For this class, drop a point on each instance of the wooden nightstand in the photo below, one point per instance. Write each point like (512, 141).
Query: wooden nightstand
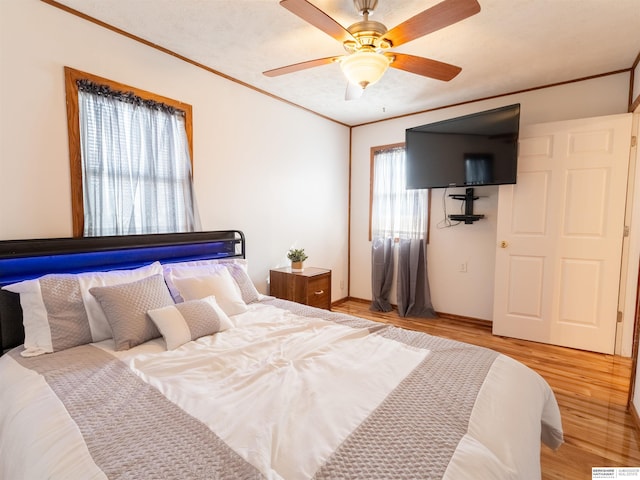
(310, 287)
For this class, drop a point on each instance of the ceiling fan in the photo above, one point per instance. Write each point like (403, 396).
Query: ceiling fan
(368, 42)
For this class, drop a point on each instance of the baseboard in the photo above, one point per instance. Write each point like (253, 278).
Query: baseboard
(341, 301)
(351, 299)
(460, 318)
(449, 316)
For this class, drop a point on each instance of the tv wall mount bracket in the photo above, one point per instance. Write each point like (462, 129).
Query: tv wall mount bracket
(468, 217)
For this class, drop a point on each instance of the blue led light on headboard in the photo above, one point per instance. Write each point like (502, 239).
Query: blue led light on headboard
(25, 266)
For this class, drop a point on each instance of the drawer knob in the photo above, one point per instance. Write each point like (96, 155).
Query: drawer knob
(319, 292)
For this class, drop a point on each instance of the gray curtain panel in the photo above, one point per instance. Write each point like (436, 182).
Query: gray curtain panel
(381, 273)
(414, 296)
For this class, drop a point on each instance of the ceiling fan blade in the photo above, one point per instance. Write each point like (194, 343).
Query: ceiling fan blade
(316, 17)
(424, 66)
(299, 66)
(353, 92)
(439, 16)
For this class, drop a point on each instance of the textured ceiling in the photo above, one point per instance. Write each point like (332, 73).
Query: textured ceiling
(511, 45)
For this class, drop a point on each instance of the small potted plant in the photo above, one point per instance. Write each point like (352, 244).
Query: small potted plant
(297, 256)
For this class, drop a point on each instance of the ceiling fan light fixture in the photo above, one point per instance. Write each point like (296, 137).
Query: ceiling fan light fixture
(364, 68)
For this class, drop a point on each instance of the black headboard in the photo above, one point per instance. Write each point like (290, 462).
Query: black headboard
(27, 259)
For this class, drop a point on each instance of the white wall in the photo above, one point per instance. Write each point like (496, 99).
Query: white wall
(276, 172)
(634, 265)
(635, 235)
(467, 294)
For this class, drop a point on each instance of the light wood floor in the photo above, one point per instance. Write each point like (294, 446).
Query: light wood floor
(591, 390)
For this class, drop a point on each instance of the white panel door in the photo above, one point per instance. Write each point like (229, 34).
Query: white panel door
(560, 231)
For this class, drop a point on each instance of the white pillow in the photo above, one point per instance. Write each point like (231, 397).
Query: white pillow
(186, 269)
(219, 284)
(238, 267)
(190, 320)
(59, 312)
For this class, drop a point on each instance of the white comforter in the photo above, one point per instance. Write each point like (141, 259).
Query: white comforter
(284, 392)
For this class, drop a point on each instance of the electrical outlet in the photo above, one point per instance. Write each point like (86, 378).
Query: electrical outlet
(341, 284)
(462, 267)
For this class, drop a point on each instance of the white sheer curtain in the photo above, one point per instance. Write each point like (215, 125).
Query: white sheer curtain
(395, 211)
(402, 215)
(136, 168)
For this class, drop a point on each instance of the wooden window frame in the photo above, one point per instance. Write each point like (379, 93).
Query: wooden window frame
(73, 128)
(372, 153)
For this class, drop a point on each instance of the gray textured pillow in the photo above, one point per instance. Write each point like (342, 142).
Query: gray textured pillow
(183, 322)
(126, 306)
(247, 288)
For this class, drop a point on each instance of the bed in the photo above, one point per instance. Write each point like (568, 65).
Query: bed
(154, 356)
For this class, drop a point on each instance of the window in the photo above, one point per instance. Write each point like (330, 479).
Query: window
(130, 157)
(395, 211)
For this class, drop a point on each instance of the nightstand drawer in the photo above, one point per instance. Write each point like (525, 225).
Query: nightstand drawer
(318, 290)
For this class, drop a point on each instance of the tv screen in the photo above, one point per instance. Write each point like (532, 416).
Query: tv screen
(474, 150)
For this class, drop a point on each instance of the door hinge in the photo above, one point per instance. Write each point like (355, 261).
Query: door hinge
(619, 319)
(625, 232)
(634, 141)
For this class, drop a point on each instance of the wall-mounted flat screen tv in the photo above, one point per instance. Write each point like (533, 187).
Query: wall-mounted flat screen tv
(473, 150)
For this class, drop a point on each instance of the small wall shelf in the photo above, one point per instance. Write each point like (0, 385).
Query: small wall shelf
(468, 217)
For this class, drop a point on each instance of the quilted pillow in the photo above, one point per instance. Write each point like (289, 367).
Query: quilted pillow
(190, 320)
(126, 306)
(59, 312)
(219, 284)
